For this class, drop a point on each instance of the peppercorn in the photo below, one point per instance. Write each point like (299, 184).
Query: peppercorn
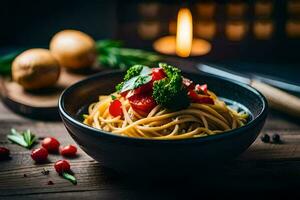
(276, 138)
(265, 138)
(45, 172)
(50, 183)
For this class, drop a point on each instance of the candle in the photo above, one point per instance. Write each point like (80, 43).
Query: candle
(184, 37)
(183, 44)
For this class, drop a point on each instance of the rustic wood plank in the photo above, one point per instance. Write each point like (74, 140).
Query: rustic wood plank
(233, 176)
(6, 115)
(268, 166)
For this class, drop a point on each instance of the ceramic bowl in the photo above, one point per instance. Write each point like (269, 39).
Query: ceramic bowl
(139, 155)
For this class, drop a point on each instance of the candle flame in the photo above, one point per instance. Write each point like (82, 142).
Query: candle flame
(184, 37)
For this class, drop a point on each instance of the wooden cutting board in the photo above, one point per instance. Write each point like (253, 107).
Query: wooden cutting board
(42, 104)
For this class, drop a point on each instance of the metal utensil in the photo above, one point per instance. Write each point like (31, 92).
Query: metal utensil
(278, 99)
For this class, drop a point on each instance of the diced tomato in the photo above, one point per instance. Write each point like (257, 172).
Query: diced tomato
(115, 108)
(142, 103)
(158, 74)
(198, 98)
(123, 94)
(144, 88)
(188, 83)
(201, 89)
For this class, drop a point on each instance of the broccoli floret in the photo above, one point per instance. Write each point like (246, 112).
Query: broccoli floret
(169, 92)
(119, 86)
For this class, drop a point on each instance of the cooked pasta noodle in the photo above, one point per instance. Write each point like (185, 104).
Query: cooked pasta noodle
(197, 120)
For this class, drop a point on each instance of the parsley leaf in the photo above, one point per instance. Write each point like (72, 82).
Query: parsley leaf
(25, 139)
(141, 80)
(113, 97)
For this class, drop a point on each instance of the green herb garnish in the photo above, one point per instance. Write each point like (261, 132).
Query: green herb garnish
(113, 97)
(111, 53)
(170, 88)
(114, 55)
(25, 139)
(135, 77)
(69, 177)
(84, 116)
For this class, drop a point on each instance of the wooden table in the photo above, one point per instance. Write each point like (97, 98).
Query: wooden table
(263, 167)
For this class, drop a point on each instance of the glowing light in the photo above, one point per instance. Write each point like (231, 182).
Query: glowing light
(263, 8)
(293, 28)
(236, 30)
(206, 29)
(182, 44)
(148, 30)
(263, 29)
(184, 37)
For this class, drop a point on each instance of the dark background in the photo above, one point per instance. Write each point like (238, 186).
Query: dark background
(31, 23)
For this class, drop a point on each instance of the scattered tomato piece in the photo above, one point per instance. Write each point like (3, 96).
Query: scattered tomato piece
(4, 153)
(69, 151)
(51, 144)
(39, 154)
(62, 166)
(115, 108)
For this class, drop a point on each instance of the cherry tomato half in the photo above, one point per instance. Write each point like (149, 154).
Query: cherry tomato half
(4, 153)
(39, 154)
(201, 89)
(198, 98)
(147, 88)
(142, 103)
(69, 151)
(62, 166)
(188, 83)
(115, 108)
(51, 144)
(158, 74)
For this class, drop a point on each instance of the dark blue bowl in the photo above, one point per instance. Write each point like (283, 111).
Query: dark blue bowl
(137, 155)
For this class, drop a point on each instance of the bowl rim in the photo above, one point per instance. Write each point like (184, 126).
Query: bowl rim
(64, 114)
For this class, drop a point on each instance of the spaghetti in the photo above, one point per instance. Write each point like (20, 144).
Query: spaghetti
(198, 119)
